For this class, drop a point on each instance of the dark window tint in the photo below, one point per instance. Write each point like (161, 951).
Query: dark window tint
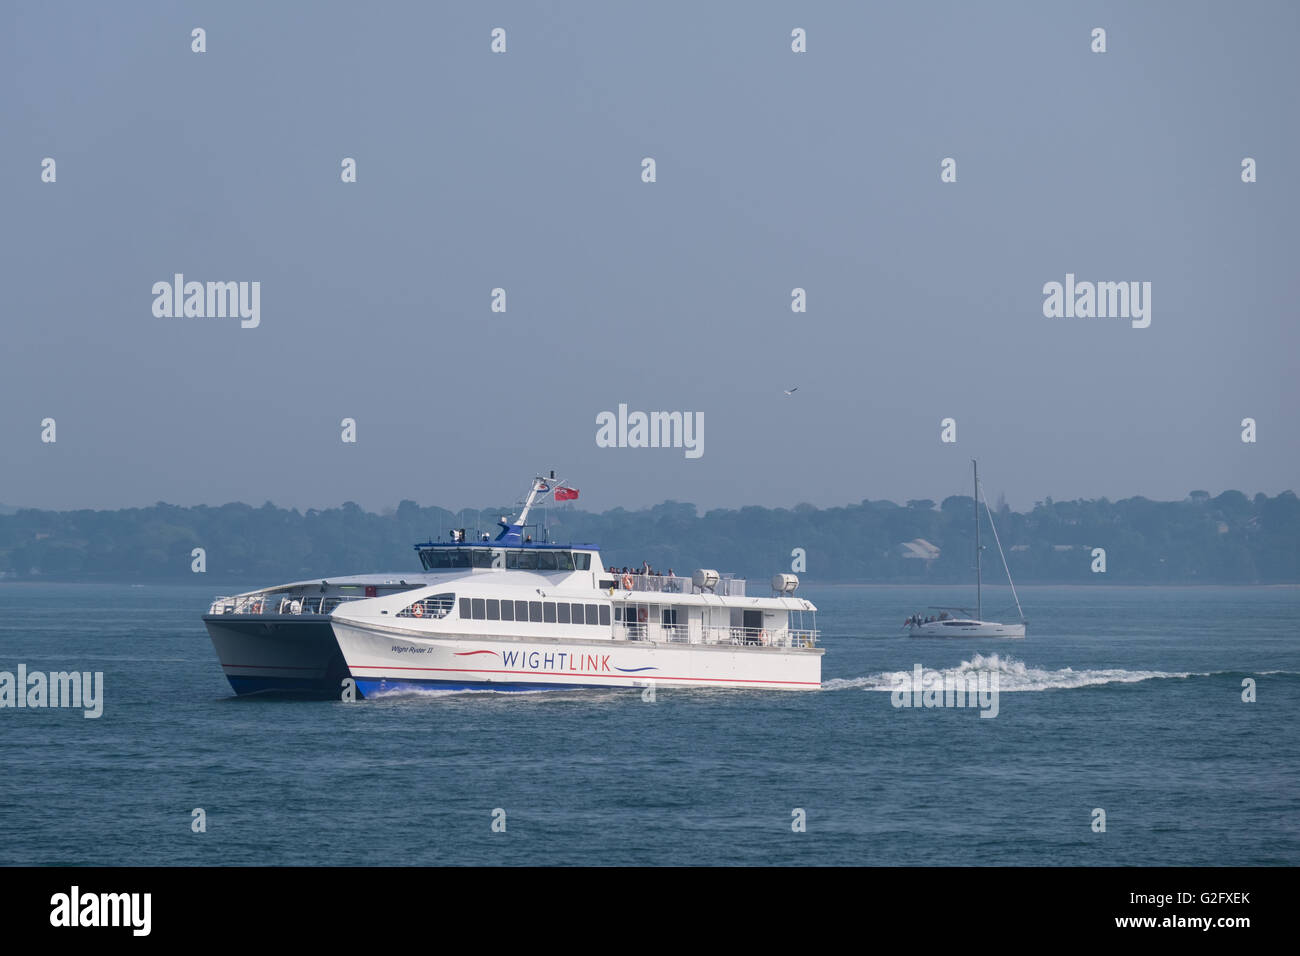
(480, 611)
(593, 614)
(548, 611)
(464, 608)
(493, 609)
(577, 614)
(546, 561)
(564, 560)
(507, 610)
(521, 610)
(535, 610)
(604, 615)
(482, 558)
(438, 560)
(562, 613)
(527, 560)
(582, 561)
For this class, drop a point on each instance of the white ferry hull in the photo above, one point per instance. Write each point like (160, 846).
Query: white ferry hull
(966, 629)
(387, 660)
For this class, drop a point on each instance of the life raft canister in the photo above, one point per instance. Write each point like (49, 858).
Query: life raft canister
(417, 609)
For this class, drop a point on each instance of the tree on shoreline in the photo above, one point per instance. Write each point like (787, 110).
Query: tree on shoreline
(1227, 539)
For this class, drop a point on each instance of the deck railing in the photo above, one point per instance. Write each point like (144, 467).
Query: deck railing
(736, 636)
(263, 605)
(676, 584)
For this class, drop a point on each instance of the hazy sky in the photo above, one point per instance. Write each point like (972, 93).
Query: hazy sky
(523, 171)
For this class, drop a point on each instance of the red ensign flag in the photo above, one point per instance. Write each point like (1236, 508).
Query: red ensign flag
(566, 494)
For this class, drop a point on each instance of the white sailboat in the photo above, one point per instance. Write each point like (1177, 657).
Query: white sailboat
(944, 624)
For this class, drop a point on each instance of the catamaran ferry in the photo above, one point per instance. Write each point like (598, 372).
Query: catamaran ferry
(514, 614)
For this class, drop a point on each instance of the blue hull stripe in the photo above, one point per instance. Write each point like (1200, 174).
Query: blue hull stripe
(370, 687)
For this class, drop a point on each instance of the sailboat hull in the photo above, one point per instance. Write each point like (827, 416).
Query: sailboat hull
(965, 628)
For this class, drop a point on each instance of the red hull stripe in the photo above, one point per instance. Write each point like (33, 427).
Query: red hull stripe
(656, 677)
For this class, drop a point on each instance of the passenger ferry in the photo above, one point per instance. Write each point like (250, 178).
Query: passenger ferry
(515, 614)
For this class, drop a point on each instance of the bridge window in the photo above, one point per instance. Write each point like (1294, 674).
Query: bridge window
(546, 561)
(564, 560)
(439, 559)
(582, 561)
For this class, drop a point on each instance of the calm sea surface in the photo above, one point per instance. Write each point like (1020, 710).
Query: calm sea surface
(1124, 699)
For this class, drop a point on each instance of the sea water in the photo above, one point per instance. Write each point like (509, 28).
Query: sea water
(1127, 701)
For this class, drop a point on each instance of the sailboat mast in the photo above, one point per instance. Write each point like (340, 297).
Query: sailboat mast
(979, 608)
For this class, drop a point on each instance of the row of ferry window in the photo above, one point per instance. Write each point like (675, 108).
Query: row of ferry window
(540, 612)
(527, 560)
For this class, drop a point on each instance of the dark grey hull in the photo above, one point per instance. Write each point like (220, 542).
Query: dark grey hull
(278, 654)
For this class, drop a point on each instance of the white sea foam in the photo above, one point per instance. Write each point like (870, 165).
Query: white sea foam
(396, 693)
(1013, 675)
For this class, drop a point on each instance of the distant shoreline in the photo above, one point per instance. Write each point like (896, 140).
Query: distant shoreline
(1229, 540)
(229, 585)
